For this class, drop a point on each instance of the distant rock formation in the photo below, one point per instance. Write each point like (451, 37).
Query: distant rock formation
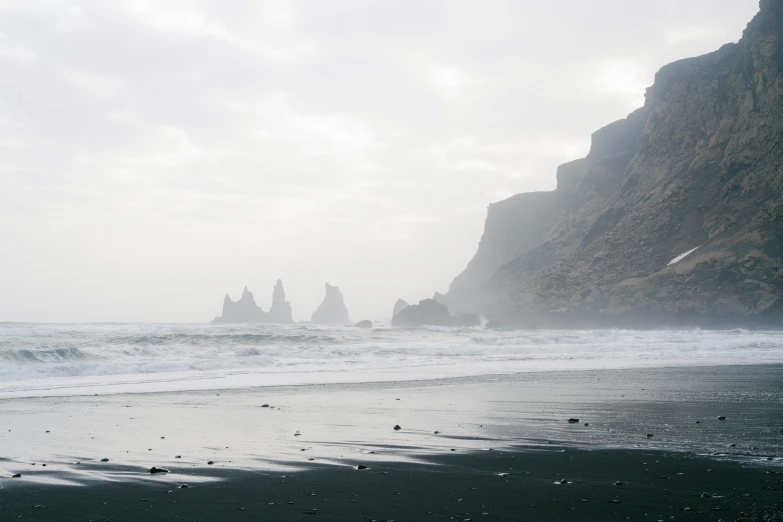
(427, 312)
(243, 311)
(364, 324)
(332, 310)
(281, 312)
(399, 306)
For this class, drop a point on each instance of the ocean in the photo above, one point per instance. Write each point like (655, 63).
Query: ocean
(86, 359)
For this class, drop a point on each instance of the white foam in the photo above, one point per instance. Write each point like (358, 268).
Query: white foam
(44, 360)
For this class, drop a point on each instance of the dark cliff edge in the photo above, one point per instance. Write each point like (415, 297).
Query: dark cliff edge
(700, 166)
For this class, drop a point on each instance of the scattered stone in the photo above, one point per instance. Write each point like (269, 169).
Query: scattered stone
(437, 432)
(16, 475)
(619, 483)
(722, 418)
(178, 457)
(361, 466)
(297, 434)
(650, 435)
(587, 423)
(183, 486)
(397, 427)
(210, 463)
(154, 470)
(573, 421)
(104, 460)
(264, 405)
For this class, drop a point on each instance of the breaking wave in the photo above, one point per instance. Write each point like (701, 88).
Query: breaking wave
(46, 359)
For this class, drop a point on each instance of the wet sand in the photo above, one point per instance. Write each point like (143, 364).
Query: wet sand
(262, 470)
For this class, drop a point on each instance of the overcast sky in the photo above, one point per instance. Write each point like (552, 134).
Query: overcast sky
(155, 155)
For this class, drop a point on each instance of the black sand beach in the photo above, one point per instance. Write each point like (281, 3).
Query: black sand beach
(657, 444)
(599, 485)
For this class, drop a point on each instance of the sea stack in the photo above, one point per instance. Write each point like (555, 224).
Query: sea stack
(332, 310)
(281, 312)
(243, 311)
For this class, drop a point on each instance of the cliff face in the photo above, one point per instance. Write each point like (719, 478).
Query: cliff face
(332, 309)
(700, 165)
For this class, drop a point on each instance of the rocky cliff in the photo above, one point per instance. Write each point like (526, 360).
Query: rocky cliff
(700, 165)
(332, 309)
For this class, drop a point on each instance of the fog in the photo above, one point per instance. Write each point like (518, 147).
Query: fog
(155, 155)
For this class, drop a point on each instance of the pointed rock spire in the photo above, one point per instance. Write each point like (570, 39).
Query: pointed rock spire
(281, 312)
(332, 310)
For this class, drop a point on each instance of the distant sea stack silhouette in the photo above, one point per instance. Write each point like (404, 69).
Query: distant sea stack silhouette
(332, 310)
(247, 311)
(243, 311)
(427, 312)
(281, 312)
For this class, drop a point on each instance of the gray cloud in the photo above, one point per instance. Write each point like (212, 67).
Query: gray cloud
(156, 154)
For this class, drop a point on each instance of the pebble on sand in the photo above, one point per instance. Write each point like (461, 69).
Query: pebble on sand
(650, 435)
(104, 460)
(361, 466)
(153, 470)
(264, 405)
(397, 427)
(722, 417)
(210, 462)
(573, 421)
(16, 475)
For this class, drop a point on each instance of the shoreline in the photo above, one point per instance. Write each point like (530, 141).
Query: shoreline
(446, 379)
(271, 446)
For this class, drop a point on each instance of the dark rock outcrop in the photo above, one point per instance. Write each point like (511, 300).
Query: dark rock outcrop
(399, 306)
(280, 312)
(243, 311)
(698, 166)
(332, 309)
(427, 312)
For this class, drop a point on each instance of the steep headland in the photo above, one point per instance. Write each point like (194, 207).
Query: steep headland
(700, 166)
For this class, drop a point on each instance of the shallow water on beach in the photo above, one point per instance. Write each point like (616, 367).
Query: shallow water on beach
(283, 428)
(85, 359)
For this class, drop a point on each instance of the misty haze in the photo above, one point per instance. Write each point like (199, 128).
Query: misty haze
(345, 260)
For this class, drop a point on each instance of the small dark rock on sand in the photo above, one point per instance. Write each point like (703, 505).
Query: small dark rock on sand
(183, 486)
(264, 405)
(210, 462)
(573, 421)
(360, 466)
(650, 435)
(104, 460)
(397, 427)
(16, 475)
(722, 417)
(178, 457)
(153, 469)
